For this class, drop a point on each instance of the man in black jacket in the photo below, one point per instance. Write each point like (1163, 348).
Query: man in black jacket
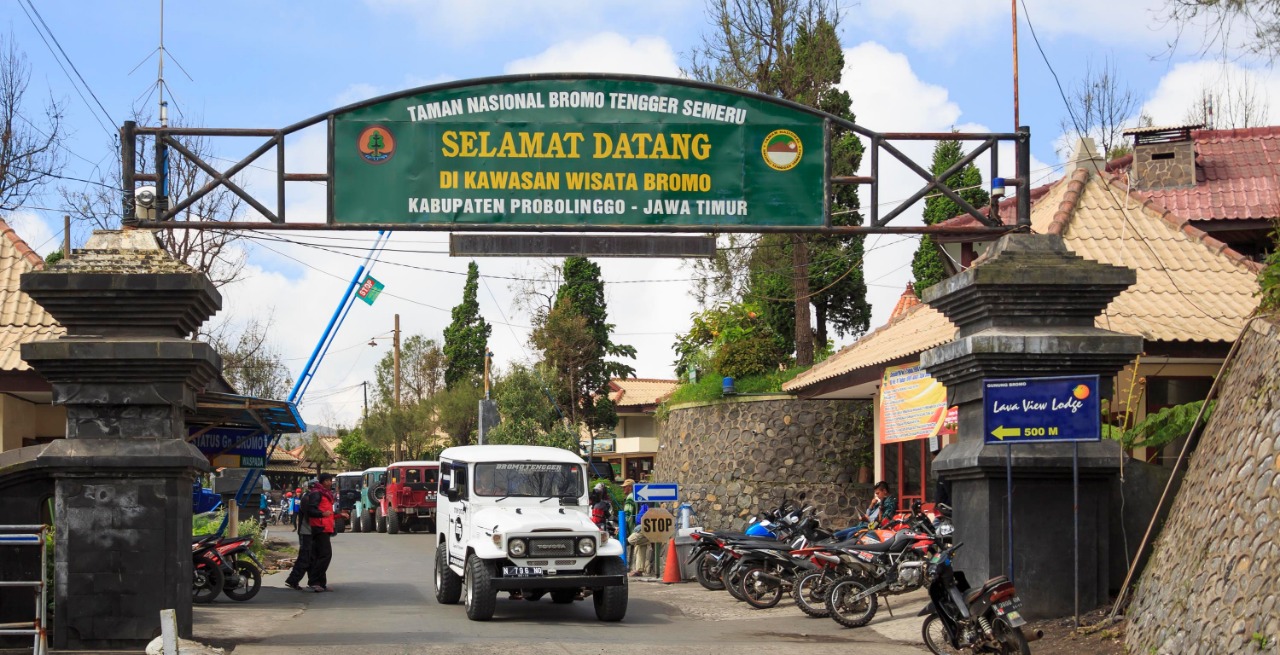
(303, 563)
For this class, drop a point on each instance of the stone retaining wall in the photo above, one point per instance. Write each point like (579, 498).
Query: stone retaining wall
(735, 458)
(1210, 586)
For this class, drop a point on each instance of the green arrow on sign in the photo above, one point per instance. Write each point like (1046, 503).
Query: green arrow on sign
(1002, 432)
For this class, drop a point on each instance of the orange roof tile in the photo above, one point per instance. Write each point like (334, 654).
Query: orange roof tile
(920, 328)
(21, 319)
(634, 392)
(906, 301)
(1190, 287)
(1237, 177)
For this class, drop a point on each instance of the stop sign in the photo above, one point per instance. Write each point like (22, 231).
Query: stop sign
(657, 525)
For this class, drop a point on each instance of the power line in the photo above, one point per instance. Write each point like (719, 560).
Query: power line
(41, 34)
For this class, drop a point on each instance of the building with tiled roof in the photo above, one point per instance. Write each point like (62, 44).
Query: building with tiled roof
(1193, 292)
(635, 442)
(27, 414)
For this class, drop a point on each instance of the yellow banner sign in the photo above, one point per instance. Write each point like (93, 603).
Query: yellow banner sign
(913, 405)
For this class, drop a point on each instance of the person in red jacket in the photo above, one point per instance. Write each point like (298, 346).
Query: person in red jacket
(317, 508)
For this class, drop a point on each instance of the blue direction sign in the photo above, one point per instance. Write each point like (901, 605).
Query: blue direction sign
(657, 492)
(234, 448)
(1032, 410)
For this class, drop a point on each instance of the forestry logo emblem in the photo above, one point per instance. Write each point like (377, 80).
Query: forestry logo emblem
(782, 150)
(376, 145)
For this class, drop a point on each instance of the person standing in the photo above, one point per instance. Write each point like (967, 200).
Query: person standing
(317, 507)
(302, 564)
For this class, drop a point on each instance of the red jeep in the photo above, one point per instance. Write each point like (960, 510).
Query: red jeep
(410, 501)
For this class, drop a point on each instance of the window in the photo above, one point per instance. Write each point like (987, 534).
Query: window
(529, 480)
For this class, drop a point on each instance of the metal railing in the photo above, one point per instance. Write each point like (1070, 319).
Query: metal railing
(29, 535)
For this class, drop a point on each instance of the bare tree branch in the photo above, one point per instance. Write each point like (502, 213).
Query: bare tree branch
(30, 153)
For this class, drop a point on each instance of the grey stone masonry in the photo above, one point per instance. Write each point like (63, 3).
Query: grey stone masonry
(1027, 309)
(127, 373)
(1210, 586)
(1164, 165)
(736, 458)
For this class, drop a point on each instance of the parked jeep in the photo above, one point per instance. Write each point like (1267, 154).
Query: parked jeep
(410, 501)
(373, 486)
(517, 519)
(346, 487)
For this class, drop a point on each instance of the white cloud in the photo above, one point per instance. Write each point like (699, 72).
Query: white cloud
(35, 232)
(607, 52)
(888, 96)
(1180, 90)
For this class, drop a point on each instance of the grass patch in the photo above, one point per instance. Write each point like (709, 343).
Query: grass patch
(709, 388)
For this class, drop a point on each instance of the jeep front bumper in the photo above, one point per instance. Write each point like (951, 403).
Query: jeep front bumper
(558, 582)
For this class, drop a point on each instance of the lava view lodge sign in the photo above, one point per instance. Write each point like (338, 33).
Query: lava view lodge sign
(592, 151)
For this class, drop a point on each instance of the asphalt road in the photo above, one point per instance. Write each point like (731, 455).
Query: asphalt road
(383, 602)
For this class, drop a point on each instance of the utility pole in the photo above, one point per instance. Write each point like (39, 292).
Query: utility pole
(66, 236)
(365, 384)
(1014, 6)
(396, 368)
(488, 356)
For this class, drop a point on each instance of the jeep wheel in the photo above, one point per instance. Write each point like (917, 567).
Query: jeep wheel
(431, 526)
(611, 602)
(564, 596)
(366, 521)
(380, 519)
(448, 584)
(478, 587)
(356, 521)
(393, 522)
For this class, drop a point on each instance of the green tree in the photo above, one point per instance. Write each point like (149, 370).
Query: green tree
(790, 49)
(574, 338)
(467, 337)
(358, 453)
(457, 411)
(927, 264)
(315, 454)
(422, 370)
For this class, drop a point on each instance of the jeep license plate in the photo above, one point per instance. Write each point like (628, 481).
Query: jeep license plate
(522, 571)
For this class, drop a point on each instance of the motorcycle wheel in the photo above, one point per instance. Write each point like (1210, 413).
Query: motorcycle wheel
(846, 611)
(207, 581)
(1012, 641)
(250, 581)
(705, 572)
(935, 636)
(810, 594)
(732, 581)
(759, 592)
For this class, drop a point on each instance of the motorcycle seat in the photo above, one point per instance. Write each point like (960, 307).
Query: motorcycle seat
(986, 586)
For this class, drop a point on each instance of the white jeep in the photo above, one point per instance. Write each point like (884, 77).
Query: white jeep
(517, 519)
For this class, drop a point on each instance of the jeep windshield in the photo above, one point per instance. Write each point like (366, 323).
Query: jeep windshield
(348, 482)
(528, 480)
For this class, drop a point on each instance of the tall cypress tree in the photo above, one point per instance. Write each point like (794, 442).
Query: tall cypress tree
(467, 336)
(582, 294)
(927, 264)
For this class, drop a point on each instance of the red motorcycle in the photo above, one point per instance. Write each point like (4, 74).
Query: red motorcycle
(220, 566)
(892, 567)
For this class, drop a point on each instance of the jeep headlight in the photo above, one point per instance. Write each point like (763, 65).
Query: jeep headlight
(517, 547)
(586, 546)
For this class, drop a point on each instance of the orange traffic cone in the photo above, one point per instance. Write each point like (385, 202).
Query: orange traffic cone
(671, 572)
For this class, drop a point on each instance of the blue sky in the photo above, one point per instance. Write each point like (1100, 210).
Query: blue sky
(927, 65)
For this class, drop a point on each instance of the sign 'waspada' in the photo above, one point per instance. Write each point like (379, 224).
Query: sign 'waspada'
(596, 151)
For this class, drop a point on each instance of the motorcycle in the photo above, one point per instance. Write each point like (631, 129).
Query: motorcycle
(208, 579)
(891, 567)
(242, 577)
(709, 556)
(983, 620)
(218, 567)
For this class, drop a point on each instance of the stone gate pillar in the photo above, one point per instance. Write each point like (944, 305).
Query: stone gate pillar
(1028, 310)
(126, 373)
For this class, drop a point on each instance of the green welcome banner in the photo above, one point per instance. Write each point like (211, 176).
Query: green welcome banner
(588, 151)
